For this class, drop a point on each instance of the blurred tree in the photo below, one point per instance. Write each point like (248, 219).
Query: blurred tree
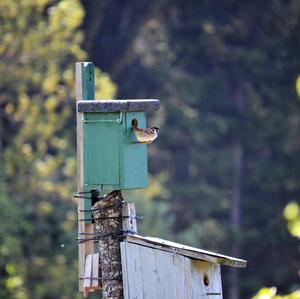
(39, 46)
(292, 215)
(270, 293)
(225, 74)
(298, 86)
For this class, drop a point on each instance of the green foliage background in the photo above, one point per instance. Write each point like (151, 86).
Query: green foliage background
(227, 77)
(40, 42)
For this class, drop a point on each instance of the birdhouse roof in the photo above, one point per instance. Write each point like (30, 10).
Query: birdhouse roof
(188, 251)
(118, 105)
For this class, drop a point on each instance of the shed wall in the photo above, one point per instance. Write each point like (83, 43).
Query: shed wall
(150, 273)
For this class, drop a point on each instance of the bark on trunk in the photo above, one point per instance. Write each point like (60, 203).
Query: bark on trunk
(108, 225)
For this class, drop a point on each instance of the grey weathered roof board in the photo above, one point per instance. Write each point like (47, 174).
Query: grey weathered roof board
(118, 105)
(188, 251)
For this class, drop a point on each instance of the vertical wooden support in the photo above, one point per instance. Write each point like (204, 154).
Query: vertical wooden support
(95, 272)
(84, 91)
(87, 281)
(129, 218)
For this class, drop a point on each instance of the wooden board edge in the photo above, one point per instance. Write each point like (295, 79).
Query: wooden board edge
(188, 253)
(86, 247)
(123, 248)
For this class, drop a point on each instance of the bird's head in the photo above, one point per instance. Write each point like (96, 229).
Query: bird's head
(156, 129)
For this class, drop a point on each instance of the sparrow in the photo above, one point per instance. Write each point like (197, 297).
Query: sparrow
(146, 135)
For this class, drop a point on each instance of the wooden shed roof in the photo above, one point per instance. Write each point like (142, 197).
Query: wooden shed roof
(187, 251)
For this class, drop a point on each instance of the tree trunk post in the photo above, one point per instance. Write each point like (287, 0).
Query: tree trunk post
(108, 225)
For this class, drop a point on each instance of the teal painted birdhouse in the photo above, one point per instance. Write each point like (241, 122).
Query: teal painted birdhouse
(113, 157)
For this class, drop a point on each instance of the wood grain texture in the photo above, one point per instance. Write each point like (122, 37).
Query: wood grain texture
(125, 276)
(88, 271)
(155, 268)
(150, 273)
(189, 292)
(111, 160)
(95, 271)
(101, 149)
(110, 157)
(129, 220)
(200, 269)
(165, 275)
(188, 251)
(81, 229)
(88, 81)
(87, 247)
(134, 271)
(134, 168)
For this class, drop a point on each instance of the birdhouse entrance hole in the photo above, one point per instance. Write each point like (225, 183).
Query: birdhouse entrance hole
(134, 123)
(205, 280)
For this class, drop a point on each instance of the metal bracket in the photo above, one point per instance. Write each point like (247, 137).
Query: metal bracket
(118, 120)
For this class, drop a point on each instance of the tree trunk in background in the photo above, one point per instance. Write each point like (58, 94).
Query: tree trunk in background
(235, 216)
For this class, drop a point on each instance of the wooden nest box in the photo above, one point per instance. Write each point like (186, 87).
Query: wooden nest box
(158, 269)
(112, 158)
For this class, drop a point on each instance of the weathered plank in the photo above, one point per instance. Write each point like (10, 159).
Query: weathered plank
(88, 81)
(216, 282)
(134, 171)
(165, 275)
(95, 271)
(118, 105)
(101, 151)
(188, 279)
(125, 274)
(87, 247)
(129, 220)
(188, 251)
(134, 272)
(88, 271)
(206, 279)
(151, 273)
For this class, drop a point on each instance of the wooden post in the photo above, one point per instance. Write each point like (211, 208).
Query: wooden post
(84, 91)
(108, 224)
(129, 218)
